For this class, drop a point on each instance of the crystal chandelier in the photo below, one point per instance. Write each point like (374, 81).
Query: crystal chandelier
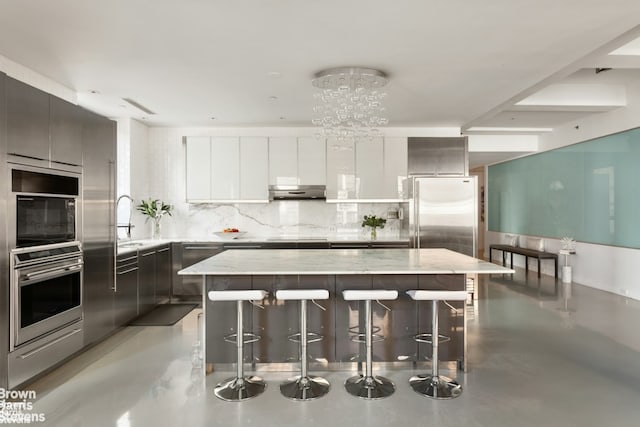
(349, 104)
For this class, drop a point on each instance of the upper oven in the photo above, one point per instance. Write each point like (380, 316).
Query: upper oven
(43, 207)
(45, 290)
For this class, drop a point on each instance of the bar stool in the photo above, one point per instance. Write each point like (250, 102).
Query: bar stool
(240, 387)
(435, 385)
(369, 386)
(304, 386)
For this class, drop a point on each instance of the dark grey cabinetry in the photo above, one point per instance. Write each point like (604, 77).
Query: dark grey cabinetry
(146, 280)
(163, 274)
(66, 121)
(374, 244)
(185, 255)
(98, 230)
(27, 122)
(126, 290)
(43, 130)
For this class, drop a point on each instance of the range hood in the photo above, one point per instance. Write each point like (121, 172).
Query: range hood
(297, 192)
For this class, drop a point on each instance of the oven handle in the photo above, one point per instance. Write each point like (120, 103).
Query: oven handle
(51, 272)
(49, 344)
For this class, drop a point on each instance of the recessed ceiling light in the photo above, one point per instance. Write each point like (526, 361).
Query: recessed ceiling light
(213, 118)
(274, 74)
(283, 118)
(273, 98)
(95, 92)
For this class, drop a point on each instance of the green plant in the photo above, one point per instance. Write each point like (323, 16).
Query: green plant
(373, 221)
(155, 209)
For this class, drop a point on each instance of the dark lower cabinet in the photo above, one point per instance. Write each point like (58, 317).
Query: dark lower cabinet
(146, 280)
(163, 274)
(126, 289)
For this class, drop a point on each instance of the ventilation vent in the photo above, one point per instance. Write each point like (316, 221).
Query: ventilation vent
(138, 106)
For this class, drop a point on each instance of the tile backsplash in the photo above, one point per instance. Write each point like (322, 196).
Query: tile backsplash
(279, 218)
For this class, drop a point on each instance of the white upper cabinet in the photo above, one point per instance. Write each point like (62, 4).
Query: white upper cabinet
(283, 160)
(254, 168)
(312, 161)
(227, 169)
(367, 170)
(369, 159)
(297, 161)
(198, 168)
(341, 170)
(395, 167)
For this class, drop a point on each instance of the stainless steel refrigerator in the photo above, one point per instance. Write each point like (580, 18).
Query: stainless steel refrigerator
(443, 213)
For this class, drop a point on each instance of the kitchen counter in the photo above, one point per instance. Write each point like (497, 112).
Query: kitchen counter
(336, 270)
(341, 261)
(127, 246)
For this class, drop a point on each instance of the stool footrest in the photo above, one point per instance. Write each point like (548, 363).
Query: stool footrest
(428, 338)
(362, 337)
(311, 337)
(249, 337)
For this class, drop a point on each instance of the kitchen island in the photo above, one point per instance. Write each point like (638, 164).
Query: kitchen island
(336, 270)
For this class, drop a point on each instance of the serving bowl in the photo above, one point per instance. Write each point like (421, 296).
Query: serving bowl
(229, 235)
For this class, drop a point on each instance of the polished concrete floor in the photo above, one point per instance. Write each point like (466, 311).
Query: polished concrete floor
(535, 359)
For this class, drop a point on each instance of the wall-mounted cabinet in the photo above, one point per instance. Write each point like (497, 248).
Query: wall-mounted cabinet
(297, 161)
(367, 170)
(227, 169)
(43, 130)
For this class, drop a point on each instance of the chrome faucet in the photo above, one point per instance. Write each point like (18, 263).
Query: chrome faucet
(128, 226)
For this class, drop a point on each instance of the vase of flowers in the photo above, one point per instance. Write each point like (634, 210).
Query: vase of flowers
(154, 210)
(373, 222)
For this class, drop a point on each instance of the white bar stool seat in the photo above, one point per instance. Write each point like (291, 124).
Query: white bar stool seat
(435, 385)
(304, 386)
(369, 386)
(240, 387)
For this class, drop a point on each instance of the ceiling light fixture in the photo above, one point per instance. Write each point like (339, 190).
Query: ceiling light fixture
(350, 102)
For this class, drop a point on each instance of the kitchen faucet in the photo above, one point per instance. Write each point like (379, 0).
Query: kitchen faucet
(128, 226)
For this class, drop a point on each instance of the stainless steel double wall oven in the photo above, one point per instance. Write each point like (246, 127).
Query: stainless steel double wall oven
(46, 269)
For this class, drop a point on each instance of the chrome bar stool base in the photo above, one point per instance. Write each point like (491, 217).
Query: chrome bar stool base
(439, 387)
(304, 388)
(374, 387)
(236, 389)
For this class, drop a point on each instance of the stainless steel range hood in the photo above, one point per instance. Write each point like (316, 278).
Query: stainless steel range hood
(297, 192)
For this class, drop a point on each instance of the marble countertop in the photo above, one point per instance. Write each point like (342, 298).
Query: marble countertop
(341, 261)
(127, 246)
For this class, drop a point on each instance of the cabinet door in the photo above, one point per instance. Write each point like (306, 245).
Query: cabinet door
(369, 168)
(395, 167)
(312, 161)
(163, 274)
(254, 168)
(341, 177)
(126, 293)
(198, 168)
(283, 161)
(98, 225)
(146, 281)
(225, 168)
(66, 132)
(27, 121)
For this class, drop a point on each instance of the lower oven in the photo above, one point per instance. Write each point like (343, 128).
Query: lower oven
(46, 291)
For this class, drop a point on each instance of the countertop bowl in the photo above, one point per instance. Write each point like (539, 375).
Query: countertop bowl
(229, 236)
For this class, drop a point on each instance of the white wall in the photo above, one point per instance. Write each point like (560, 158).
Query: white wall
(603, 267)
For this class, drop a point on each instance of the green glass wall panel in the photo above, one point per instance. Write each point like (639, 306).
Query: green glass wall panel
(589, 191)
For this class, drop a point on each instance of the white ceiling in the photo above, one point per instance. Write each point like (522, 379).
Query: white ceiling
(450, 62)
